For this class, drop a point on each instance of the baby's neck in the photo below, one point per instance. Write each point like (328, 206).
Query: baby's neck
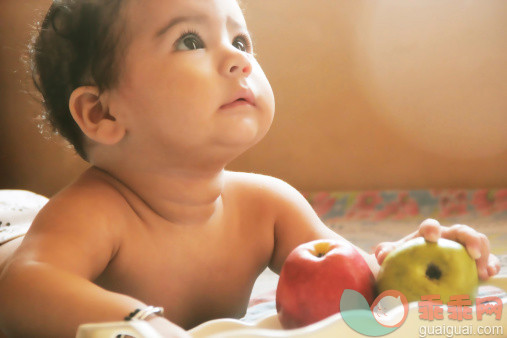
(184, 198)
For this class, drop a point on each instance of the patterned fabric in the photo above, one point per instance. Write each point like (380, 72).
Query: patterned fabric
(403, 205)
(369, 217)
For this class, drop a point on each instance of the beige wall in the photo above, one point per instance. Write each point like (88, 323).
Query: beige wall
(370, 95)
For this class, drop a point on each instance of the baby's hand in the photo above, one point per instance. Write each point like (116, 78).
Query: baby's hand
(476, 243)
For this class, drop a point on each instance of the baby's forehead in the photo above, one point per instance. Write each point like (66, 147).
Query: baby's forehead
(141, 13)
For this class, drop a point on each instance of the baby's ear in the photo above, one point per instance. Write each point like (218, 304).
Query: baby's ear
(93, 116)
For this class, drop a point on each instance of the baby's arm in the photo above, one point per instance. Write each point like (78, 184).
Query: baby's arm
(46, 288)
(296, 222)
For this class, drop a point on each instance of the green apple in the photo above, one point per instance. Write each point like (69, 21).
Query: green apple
(419, 268)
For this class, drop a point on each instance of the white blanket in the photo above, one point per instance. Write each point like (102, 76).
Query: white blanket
(17, 211)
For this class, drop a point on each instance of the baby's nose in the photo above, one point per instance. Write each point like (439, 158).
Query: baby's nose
(237, 64)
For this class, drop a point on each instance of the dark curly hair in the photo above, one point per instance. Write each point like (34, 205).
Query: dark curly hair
(78, 43)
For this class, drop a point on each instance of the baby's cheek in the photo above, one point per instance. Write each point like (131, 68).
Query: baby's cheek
(265, 93)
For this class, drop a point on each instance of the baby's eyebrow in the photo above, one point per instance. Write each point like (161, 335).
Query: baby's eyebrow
(235, 24)
(179, 19)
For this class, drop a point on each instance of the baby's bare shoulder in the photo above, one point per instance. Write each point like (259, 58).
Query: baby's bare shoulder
(260, 185)
(89, 209)
(80, 228)
(93, 197)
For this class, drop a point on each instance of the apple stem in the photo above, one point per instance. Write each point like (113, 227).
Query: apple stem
(321, 249)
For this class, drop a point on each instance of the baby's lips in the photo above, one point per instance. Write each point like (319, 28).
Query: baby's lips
(244, 94)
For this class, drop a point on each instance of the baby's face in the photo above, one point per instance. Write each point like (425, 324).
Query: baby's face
(190, 84)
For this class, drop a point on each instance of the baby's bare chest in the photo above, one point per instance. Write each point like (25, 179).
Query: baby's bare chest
(195, 275)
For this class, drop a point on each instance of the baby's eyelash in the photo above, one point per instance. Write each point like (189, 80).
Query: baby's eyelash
(187, 33)
(247, 40)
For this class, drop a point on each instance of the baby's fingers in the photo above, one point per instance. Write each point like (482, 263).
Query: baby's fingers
(430, 229)
(483, 261)
(493, 265)
(383, 249)
(477, 245)
(472, 240)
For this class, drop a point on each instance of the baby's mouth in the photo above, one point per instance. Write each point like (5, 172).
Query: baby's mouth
(237, 103)
(243, 97)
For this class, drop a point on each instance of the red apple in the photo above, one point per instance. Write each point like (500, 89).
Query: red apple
(313, 278)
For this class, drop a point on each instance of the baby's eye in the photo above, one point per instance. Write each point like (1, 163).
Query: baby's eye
(242, 43)
(189, 41)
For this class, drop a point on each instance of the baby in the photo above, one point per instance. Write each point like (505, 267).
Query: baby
(159, 96)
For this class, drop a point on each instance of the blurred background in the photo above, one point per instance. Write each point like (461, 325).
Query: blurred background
(369, 95)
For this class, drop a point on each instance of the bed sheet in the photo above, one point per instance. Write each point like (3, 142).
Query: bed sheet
(17, 211)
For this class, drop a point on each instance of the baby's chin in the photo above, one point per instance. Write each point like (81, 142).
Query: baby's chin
(244, 134)
(231, 149)
(238, 146)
